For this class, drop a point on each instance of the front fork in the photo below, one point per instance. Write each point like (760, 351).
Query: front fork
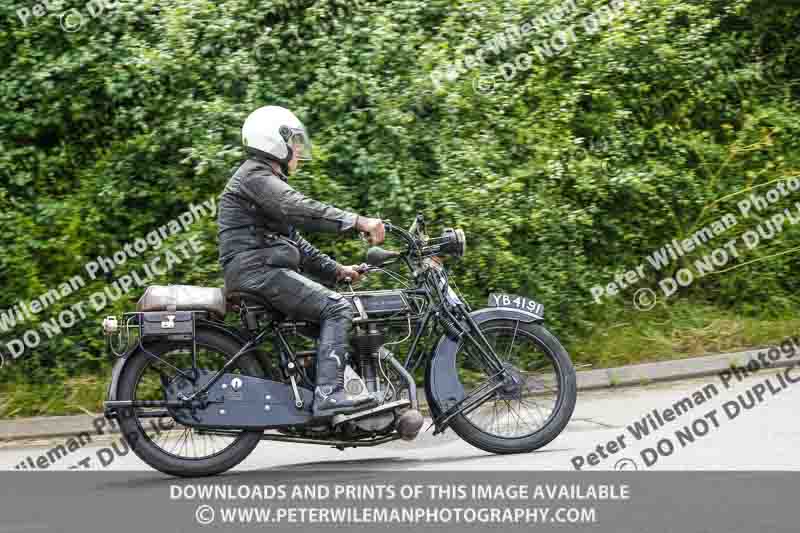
(498, 373)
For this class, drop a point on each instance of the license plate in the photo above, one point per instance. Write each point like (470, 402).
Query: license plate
(517, 302)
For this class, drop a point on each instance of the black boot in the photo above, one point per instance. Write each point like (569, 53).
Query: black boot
(329, 395)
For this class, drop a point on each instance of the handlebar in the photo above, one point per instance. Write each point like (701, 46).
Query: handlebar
(363, 268)
(405, 235)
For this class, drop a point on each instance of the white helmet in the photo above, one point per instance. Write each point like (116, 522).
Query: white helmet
(276, 133)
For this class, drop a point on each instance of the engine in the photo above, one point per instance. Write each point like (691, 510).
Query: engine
(368, 343)
(370, 373)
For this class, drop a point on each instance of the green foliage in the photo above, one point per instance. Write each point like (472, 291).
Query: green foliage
(563, 176)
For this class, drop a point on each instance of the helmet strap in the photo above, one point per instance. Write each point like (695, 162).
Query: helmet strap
(285, 164)
(260, 155)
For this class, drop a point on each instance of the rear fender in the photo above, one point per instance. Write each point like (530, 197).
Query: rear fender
(219, 327)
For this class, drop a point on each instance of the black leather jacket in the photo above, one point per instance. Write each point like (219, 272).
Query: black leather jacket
(259, 213)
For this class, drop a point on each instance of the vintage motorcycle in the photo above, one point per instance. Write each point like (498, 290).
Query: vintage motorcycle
(194, 395)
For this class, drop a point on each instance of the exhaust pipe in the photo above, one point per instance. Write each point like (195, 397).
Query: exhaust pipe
(386, 355)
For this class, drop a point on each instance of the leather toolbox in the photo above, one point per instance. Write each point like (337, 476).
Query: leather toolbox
(176, 324)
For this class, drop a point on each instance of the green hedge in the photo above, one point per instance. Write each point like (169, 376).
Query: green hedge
(572, 171)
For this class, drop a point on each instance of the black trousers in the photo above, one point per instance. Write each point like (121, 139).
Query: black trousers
(298, 297)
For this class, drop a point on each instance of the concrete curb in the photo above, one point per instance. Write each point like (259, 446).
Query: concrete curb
(631, 375)
(692, 367)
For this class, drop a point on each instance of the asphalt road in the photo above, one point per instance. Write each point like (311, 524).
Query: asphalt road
(706, 433)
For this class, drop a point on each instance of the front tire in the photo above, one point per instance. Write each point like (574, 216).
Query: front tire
(562, 375)
(160, 453)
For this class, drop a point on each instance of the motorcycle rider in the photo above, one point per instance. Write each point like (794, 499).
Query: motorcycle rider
(261, 251)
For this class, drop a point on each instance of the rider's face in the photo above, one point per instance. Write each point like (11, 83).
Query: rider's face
(294, 162)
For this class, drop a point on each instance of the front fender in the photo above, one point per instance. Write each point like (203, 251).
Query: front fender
(442, 387)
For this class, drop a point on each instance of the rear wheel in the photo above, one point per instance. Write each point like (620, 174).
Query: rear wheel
(156, 437)
(522, 417)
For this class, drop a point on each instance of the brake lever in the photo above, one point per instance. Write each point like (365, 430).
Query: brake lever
(361, 269)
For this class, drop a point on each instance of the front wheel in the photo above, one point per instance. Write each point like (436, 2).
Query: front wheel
(528, 412)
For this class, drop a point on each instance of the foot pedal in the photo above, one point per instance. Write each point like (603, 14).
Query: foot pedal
(339, 419)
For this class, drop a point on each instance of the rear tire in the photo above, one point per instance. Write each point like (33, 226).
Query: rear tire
(142, 444)
(563, 408)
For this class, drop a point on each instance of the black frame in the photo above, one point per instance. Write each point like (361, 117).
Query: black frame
(442, 306)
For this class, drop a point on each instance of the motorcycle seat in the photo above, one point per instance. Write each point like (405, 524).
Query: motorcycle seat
(237, 297)
(254, 304)
(182, 298)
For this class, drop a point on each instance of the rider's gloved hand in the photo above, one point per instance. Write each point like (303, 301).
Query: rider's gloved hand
(373, 227)
(354, 272)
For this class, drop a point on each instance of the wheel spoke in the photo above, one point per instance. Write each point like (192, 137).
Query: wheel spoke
(532, 383)
(173, 438)
(510, 346)
(519, 416)
(525, 403)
